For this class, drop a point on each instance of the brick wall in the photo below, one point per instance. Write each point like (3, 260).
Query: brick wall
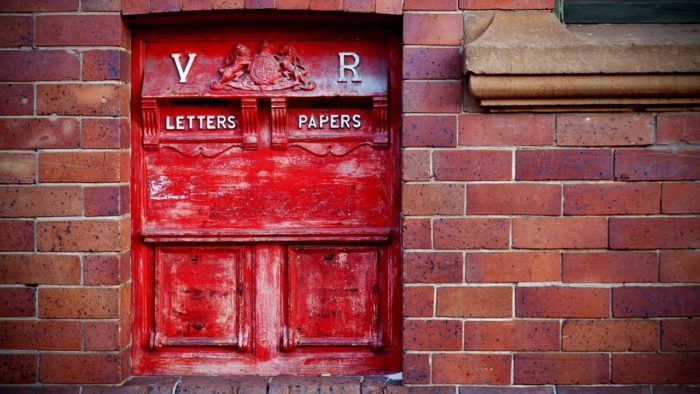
(540, 249)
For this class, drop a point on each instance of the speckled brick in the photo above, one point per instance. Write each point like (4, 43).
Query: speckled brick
(560, 232)
(506, 129)
(472, 233)
(432, 199)
(79, 303)
(415, 165)
(648, 165)
(560, 368)
(497, 267)
(42, 269)
(432, 96)
(84, 367)
(79, 29)
(16, 99)
(432, 335)
(610, 267)
(605, 129)
(82, 99)
(514, 199)
(429, 130)
(41, 335)
(650, 301)
(563, 164)
(416, 234)
(679, 266)
(104, 65)
(18, 235)
(656, 368)
(654, 233)
(506, 4)
(475, 301)
(678, 127)
(77, 166)
(471, 368)
(15, 31)
(31, 201)
(680, 197)
(43, 65)
(526, 335)
(557, 301)
(610, 336)
(39, 133)
(17, 301)
(418, 301)
(432, 267)
(472, 165)
(432, 63)
(100, 5)
(99, 235)
(430, 5)
(106, 200)
(358, 6)
(416, 368)
(18, 167)
(432, 28)
(680, 335)
(38, 5)
(611, 198)
(18, 368)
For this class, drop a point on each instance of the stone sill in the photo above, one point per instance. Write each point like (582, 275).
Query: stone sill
(528, 60)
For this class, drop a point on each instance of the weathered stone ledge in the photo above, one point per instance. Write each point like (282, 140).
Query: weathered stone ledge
(530, 60)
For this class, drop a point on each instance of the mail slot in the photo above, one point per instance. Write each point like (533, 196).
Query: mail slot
(265, 199)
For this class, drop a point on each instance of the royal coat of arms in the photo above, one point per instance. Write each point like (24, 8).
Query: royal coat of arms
(264, 71)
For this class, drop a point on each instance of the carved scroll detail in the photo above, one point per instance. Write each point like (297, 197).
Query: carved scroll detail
(381, 122)
(279, 123)
(151, 130)
(264, 71)
(250, 122)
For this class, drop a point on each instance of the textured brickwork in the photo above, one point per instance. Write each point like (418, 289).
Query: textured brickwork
(542, 252)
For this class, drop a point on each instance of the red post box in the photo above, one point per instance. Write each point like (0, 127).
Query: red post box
(266, 200)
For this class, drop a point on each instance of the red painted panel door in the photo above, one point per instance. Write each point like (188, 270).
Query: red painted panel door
(265, 199)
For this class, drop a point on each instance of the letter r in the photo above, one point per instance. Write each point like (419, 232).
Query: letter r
(343, 67)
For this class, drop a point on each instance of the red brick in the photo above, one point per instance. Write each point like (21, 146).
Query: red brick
(105, 133)
(30, 201)
(326, 5)
(39, 133)
(18, 235)
(610, 336)
(199, 5)
(605, 129)
(514, 199)
(262, 4)
(681, 197)
(106, 200)
(680, 335)
(106, 269)
(16, 99)
(79, 99)
(392, 7)
(605, 390)
(432, 28)
(18, 368)
(40, 335)
(611, 198)
(132, 7)
(103, 65)
(507, 389)
(79, 303)
(358, 6)
(473, 165)
(79, 166)
(506, 129)
(79, 30)
(475, 301)
(432, 267)
(679, 266)
(563, 164)
(231, 4)
(610, 267)
(165, 5)
(471, 233)
(432, 96)
(38, 5)
(416, 368)
(416, 234)
(513, 267)
(418, 301)
(678, 127)
(294, 4)
(15, 31)
(103, 335)
(654, 233)
(648, 165)
(560, 233)
(415, 165)
(43, 269)
(554, 301)
(560, 368)
(100, 5)
(430, 5)
(17, 301)
(17, 167)
(656, 368)
(83, 235)
(432, 335)
(432, 199)
(83, 368)
(679, 301)
(471, 369)
(506, 4)
(429, 130)
(432, 63)
(511, 335)
(27, 66)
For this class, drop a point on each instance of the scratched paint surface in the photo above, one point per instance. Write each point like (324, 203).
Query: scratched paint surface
(266, 221)
(333, 294)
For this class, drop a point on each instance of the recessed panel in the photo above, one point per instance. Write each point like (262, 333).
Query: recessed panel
(197, 296)
(333, 295)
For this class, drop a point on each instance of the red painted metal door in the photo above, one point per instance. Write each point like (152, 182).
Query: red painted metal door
(265, 199)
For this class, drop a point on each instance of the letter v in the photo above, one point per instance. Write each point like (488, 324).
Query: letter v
(190, 60)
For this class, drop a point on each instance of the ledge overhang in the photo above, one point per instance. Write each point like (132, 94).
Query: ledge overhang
(529, 60)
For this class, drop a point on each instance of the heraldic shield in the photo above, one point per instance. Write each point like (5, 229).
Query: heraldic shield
(263, 71)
